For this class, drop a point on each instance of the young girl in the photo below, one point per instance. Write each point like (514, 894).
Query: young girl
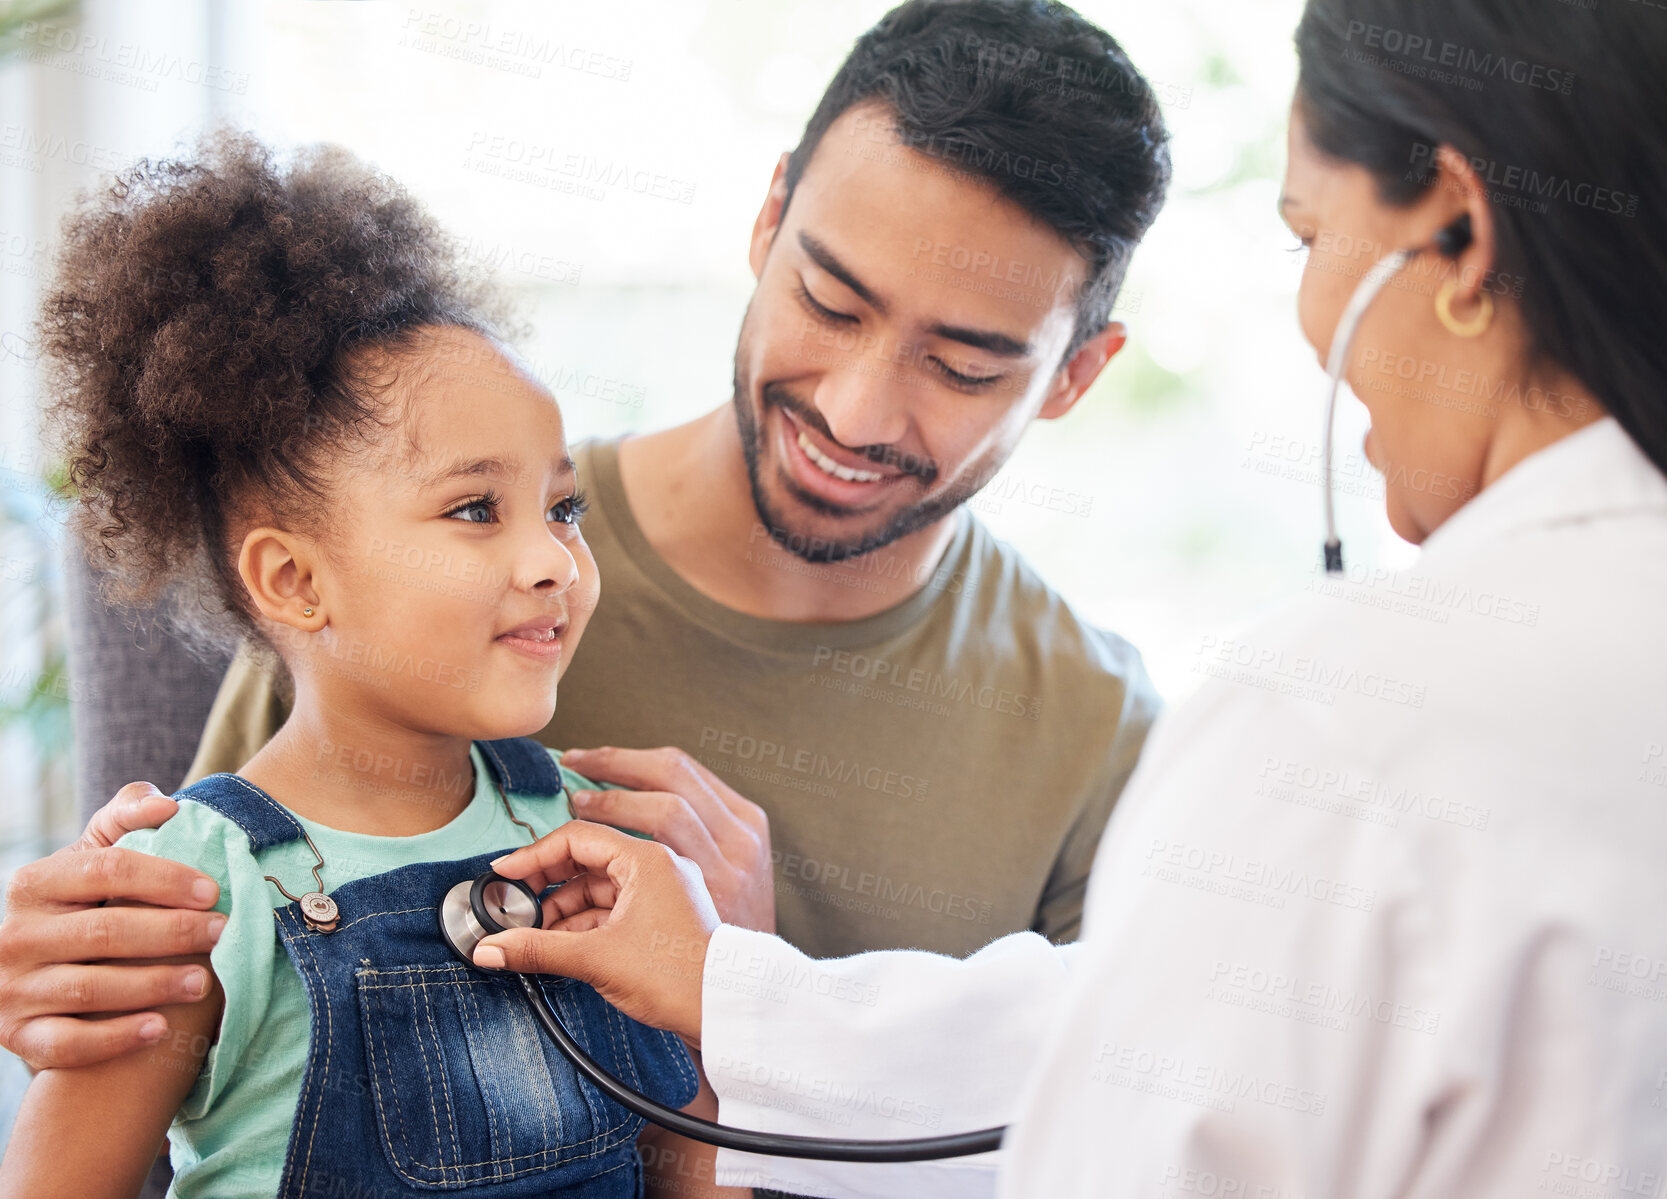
(279, 394)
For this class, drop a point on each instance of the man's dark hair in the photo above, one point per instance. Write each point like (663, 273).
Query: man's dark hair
(1030, 97)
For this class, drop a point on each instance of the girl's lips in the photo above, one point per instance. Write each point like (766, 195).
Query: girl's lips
(535, 640)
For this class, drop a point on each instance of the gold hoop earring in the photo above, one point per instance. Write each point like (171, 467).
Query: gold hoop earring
(1476, 325)
(306, 611)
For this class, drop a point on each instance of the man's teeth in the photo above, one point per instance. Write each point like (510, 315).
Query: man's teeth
(833, 468)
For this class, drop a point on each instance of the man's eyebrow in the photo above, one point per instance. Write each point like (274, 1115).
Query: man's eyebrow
(999, 344)
(460, 468)
(991, 342)
(828, 261)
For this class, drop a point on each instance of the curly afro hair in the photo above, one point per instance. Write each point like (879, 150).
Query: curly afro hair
(204, 338)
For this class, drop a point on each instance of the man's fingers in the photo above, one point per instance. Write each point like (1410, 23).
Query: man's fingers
(72, 989)
(79, 876)
(136, 806)
(50, 1042)
(665, 816)
(96, 934)
(734, 821)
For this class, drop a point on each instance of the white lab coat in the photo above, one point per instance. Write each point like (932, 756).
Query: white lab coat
(1383, 911)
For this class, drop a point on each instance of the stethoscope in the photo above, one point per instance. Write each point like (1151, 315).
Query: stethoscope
(1449, 243)
(475, 909)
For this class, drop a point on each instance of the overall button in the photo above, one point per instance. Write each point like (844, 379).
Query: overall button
(319, 911)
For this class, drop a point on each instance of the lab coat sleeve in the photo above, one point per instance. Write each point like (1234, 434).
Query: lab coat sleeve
(883, 1046)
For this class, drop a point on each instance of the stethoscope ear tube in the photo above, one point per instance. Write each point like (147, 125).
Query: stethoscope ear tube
(724, 1137)
(1337, 362)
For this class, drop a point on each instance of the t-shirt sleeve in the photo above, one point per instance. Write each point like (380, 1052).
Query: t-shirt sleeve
(243, 958)
(1059, 914)
(249, 707)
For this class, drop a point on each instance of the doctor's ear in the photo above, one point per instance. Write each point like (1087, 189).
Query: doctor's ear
(769, 218)
(278, 570)
(1465, 237)
(1081, 369)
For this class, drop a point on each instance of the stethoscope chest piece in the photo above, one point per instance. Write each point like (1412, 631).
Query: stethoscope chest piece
(474, 909)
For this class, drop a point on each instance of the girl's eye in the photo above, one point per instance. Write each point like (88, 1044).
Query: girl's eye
(821, 310)
(480, 511)
(570, 510)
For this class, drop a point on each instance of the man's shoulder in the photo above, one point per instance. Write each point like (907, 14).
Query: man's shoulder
(1030, 623)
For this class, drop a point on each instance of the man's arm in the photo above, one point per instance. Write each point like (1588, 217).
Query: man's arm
(1059, 914)
(93, 1132)
(56, 938)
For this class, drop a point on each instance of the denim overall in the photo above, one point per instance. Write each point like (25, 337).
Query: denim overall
(425, 1074)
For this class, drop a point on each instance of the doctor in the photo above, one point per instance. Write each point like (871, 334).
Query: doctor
(1384, 909)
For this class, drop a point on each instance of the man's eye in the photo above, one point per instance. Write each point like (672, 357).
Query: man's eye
(826, 313)
(476, 512)
(571, 510)
(960, 380)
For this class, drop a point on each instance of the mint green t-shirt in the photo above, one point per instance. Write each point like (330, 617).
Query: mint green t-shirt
(229, 1138)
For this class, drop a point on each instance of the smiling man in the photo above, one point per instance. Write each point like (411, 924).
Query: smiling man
(793, 590)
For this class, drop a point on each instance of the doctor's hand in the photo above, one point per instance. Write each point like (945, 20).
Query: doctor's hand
(56, 939)
(690, 810)
(631, 918)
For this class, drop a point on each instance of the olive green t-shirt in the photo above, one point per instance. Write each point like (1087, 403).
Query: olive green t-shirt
(936, 775)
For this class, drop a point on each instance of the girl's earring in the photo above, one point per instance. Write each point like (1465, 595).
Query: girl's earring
(306, 611)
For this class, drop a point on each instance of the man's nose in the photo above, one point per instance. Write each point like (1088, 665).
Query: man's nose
(860, 407)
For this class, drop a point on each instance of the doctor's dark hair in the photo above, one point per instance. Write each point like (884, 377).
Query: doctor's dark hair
(205, 340)
(1568, 130)
(1026, 96)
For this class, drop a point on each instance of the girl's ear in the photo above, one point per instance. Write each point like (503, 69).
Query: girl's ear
(278, 570)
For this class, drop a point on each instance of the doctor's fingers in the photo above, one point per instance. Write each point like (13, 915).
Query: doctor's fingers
(36, 940)
(80, 875)
(737, 872)
(575, 848)
(583, 893)
(642, 977)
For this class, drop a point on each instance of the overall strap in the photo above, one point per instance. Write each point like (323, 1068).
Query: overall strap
(262, 818)
(521, 766)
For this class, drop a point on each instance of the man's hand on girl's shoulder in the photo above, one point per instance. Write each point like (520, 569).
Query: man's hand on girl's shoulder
(62, 950)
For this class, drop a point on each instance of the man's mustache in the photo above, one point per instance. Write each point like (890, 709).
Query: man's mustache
(775, 395)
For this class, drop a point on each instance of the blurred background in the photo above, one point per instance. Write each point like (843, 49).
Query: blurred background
(1190, 471)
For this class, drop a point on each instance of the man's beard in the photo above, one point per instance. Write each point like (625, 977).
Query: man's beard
(816, 548)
